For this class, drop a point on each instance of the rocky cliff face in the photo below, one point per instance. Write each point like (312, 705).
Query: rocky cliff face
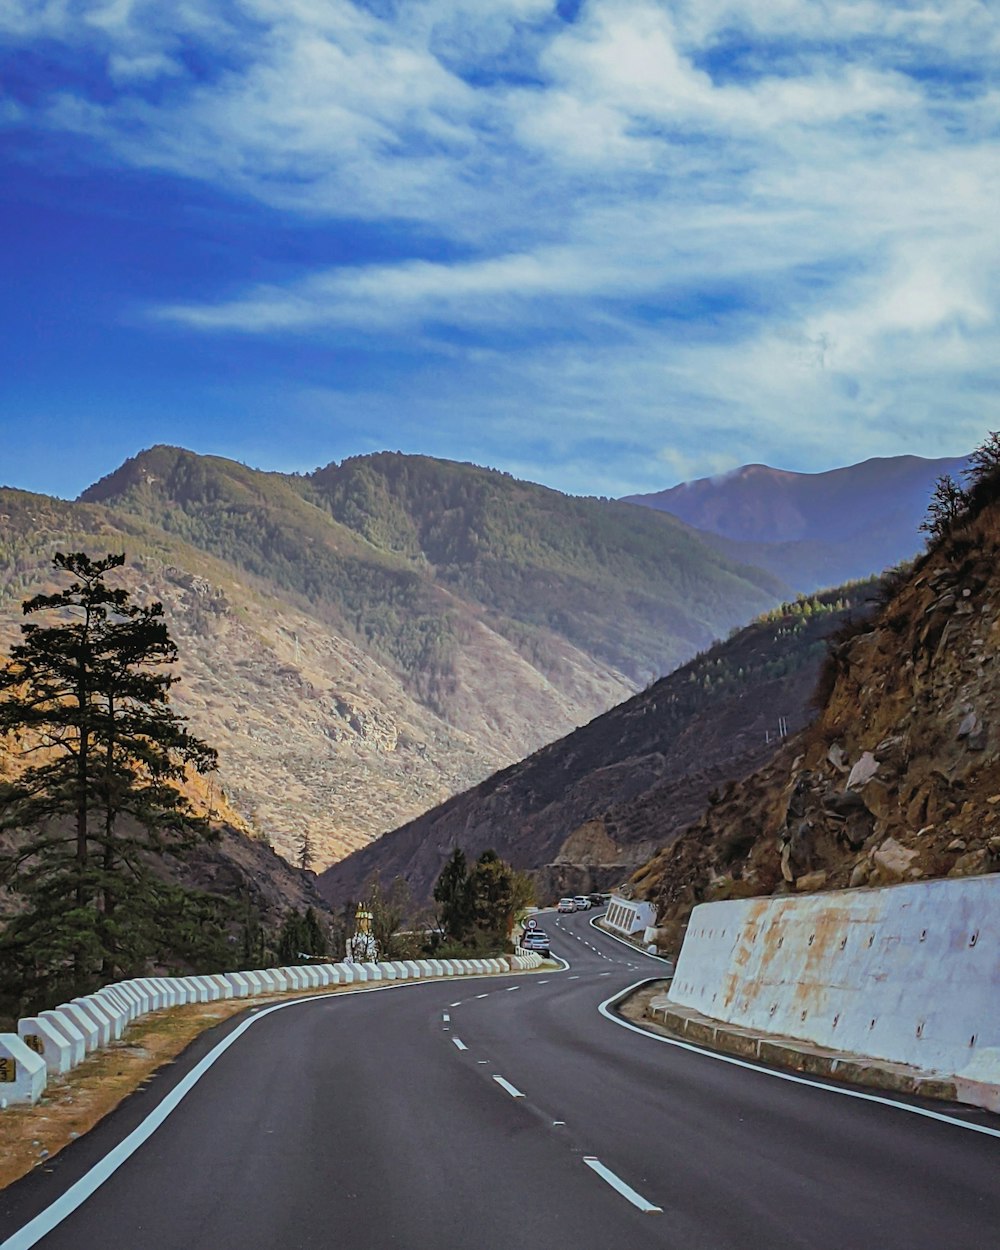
(896, 780)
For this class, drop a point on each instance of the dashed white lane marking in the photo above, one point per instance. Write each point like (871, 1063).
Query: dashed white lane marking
(457, 1041)
(482, 995)
(543, 982)
(482, 1061)
(458, 1004)
(511, 988)
(604, 974)
(445, 1017)
(556, 1122)
(575, 976)
(616, 1182)
(514, 1093)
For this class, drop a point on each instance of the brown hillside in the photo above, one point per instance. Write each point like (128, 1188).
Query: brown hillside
(583, 812)
(897, 779)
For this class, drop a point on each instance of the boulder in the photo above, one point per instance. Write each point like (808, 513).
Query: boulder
(863, 771)
(893, 858)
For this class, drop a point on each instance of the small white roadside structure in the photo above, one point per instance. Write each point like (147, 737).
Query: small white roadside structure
(629, 916)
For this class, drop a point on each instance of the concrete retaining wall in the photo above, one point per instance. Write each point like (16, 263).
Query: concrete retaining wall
(909, 973)
(56, 1041)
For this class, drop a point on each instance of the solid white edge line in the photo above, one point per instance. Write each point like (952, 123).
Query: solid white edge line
(634, 949)
(616, 1182)
(514, 1093)
(458, 1043)
(45, 1221)
(791, 1077)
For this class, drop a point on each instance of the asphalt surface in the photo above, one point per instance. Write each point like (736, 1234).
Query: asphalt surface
(507, 1112)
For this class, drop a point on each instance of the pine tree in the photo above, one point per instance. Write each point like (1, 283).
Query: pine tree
(305, 851)
(453, 895)
(86, 702)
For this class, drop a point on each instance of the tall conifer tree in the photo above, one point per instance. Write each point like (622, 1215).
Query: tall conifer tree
(85, 700)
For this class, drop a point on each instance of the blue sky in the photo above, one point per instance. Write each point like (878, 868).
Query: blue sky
(603, 244)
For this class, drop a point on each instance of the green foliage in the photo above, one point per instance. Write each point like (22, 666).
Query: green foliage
(302, 935)
(85, 701)
(477, 909)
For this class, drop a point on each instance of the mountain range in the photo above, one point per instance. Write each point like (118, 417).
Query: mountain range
(366, 641)
(812, 529)
(362, 642)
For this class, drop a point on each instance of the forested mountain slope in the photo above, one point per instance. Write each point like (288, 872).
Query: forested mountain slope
(583, 812)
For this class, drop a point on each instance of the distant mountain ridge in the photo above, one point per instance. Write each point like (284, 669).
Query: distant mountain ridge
(812, 529)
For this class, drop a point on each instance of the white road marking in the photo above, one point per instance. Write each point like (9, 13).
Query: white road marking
(514, 1093)
(445, 1017)
(604, 974)
(31, 1234)
(616, 1182)
(510, 988)
(575, 976)
(457, 1041)
(543, 982)
(555, 1122)
(603, 1008)
(482, 1061)
(482, 995)
(458, 1004)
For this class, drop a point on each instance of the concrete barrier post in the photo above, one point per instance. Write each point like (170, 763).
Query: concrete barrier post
(221, 984)
(22, 1072)
(91, 1032)
(374, 974)
(123, 994)
(64, 1025)
(46, 1040)
(238, 983)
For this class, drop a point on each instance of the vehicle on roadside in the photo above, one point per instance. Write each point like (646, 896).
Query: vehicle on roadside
(582, 902)
(535, 940)
(567, 904)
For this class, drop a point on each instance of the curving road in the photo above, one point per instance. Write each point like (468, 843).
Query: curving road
(483, 1113)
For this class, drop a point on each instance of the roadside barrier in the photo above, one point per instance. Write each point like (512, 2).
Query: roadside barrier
(55, 1042)
(906, 973)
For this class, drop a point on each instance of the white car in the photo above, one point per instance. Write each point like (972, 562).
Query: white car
(567, 904)
(535, 940)
(582, 902)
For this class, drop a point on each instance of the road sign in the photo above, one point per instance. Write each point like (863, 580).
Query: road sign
(531, 924)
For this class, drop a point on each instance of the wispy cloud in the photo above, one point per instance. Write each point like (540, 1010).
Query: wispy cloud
(772, 220)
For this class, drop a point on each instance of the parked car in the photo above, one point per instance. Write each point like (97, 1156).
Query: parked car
(582, 902)
(567, 904)
(535, 940)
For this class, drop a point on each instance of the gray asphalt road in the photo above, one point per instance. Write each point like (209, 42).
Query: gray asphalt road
(378, 1120)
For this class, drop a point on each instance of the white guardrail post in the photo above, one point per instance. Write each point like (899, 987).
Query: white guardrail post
(57, 1041)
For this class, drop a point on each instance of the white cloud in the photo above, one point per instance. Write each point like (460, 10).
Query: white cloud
(797, 241)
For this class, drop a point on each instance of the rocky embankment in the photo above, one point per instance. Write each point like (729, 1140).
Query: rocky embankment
(897, 778)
